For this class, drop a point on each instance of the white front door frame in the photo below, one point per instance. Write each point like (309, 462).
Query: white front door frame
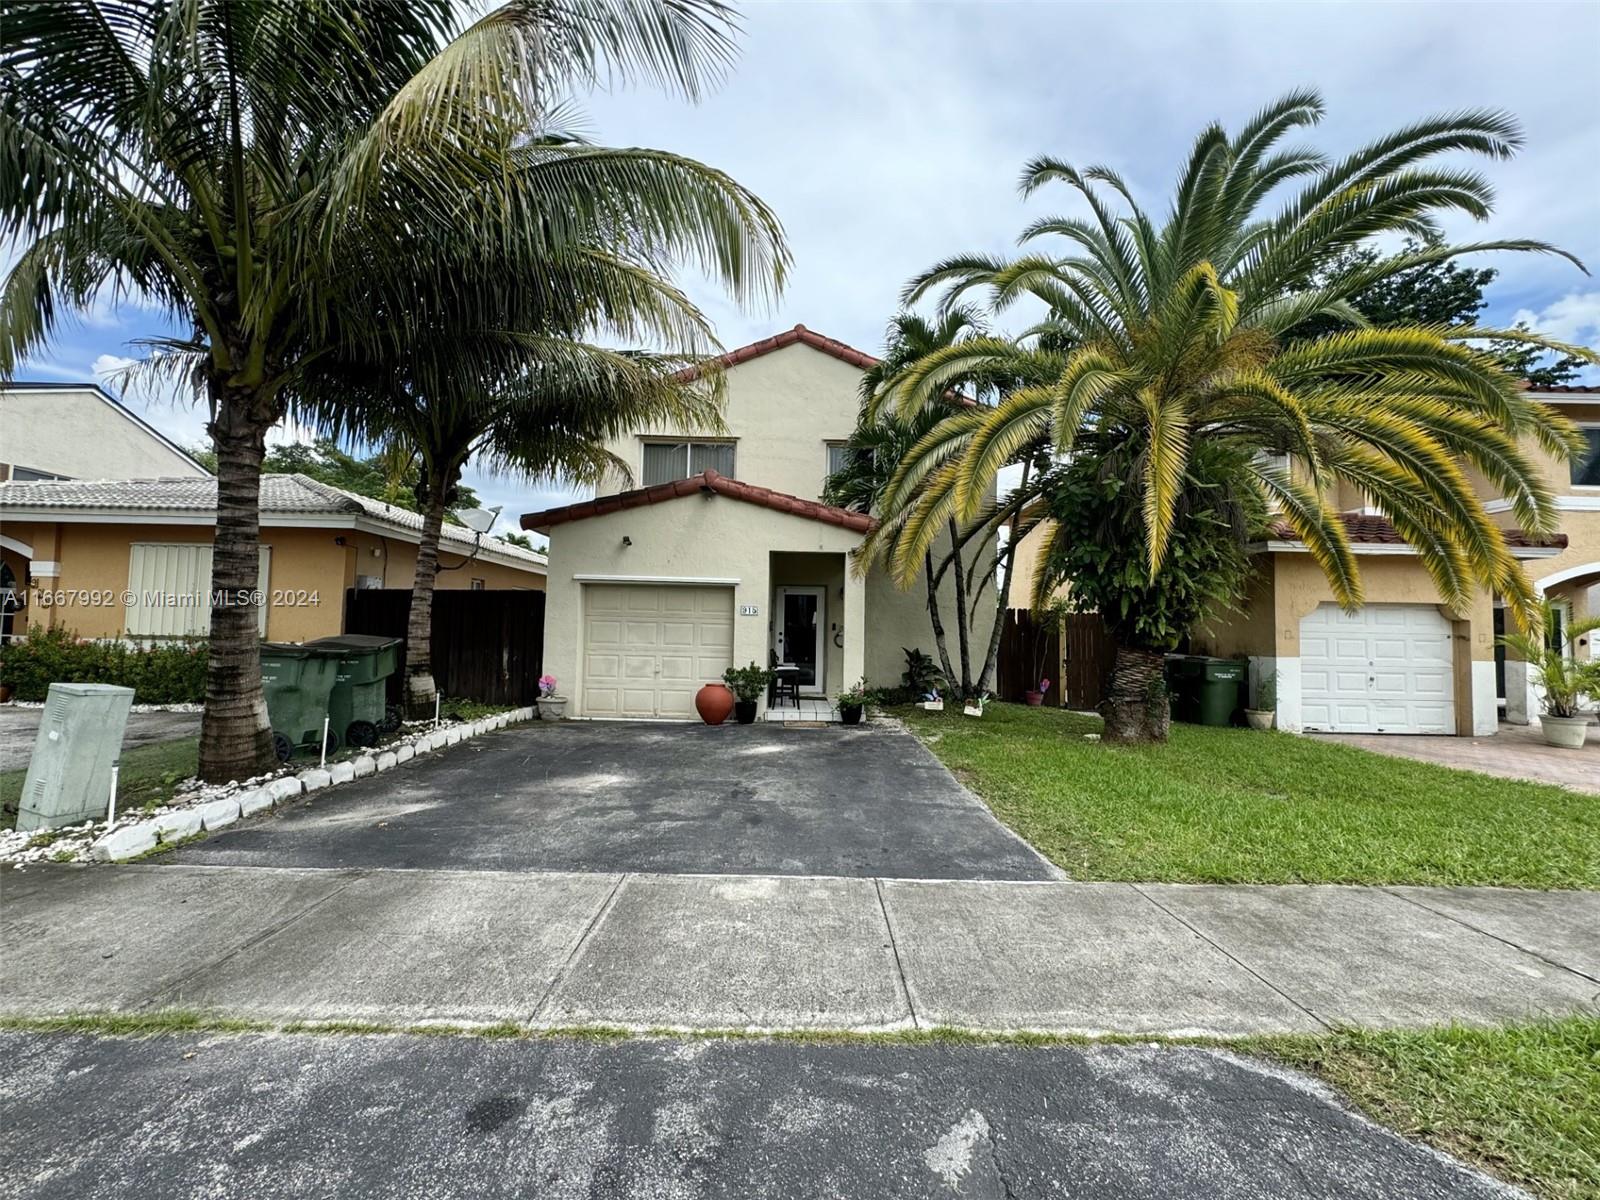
(820, 687)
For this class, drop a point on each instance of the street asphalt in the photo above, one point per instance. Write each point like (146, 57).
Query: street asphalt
(19, 727)
(402, 1117)
(616, 796)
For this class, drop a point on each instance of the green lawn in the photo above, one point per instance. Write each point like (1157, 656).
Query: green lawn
(150, 774)
(1522, 1101)
(1238, 806)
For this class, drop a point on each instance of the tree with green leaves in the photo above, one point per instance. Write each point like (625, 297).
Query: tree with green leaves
(277, 175)
(1158, 340)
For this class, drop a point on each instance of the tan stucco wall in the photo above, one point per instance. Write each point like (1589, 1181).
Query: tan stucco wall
(73, 432)
(714, 537)
(781, 410)
(307, 563)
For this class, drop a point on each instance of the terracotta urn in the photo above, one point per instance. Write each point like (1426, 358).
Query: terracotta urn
(713, 702)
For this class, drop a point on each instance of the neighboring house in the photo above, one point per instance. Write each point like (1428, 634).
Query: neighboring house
(1405, 663)
(77, 431)
(724, 555)
(131, 558)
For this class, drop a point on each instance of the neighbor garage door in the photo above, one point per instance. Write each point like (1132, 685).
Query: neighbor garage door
(647, 648)
(1387, 668)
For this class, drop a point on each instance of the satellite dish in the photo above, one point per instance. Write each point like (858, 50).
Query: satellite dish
(479, 520)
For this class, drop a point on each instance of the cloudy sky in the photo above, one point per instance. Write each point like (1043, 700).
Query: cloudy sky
(887, 136)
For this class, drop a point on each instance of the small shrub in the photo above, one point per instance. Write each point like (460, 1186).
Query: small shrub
(922, 674)
(747, 682)
(166, 673)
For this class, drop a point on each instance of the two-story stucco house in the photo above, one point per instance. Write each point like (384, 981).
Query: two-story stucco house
(1405, 663)
(724, 554)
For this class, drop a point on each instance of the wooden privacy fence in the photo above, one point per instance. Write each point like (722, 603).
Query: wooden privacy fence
(1077, 659)
(487, 646)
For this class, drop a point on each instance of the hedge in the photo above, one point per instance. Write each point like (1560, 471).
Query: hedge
(169, 673)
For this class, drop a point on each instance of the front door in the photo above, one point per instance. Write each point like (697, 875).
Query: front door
(798, 640)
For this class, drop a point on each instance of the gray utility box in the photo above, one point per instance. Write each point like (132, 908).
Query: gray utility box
(80, 739)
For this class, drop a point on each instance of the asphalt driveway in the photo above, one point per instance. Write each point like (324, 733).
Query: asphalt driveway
(635, 797)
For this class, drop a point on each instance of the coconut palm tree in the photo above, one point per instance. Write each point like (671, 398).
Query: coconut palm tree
(1158, 337)
(548, 421)
(261, 171)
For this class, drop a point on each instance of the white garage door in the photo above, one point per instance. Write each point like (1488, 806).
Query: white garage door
(647, 648)
(1388, 668)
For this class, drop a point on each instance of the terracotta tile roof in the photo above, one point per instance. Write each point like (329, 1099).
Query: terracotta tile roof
(799, 335)
(1364, 529)
(1564, 389)
(706, 482)
(281, 496)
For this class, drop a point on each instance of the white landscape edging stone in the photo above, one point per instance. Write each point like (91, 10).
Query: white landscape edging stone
(205, 808)
(215, 814)
(178, 824)
(125, 842)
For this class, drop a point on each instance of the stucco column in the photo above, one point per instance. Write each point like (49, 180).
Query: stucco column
(855, 626)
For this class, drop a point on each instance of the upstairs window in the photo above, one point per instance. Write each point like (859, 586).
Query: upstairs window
(1586, 465)
(836, 452)
(667, 461)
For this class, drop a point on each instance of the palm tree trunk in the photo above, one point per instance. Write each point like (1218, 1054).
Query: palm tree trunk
(420, 689)
(963, 617)
(1002, 602)
(235, 734)
(1135, 707)
(935, 619)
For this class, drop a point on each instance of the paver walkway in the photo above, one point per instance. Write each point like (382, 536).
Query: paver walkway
(1515, 752)
(773, 952)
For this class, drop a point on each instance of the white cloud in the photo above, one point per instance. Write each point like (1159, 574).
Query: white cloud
(887, 137)
(1573, 318)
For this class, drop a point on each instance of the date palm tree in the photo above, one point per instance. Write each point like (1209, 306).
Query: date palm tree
(260, 171)
(1160, 336)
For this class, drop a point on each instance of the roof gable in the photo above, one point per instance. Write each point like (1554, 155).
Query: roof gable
(695, 485)
(798, 336)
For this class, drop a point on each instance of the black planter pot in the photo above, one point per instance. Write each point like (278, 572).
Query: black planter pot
(850, 714)
(744, 711)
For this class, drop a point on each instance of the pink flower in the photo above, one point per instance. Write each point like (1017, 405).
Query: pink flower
(547, 685)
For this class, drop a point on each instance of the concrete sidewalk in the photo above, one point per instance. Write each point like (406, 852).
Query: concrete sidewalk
(771, 953)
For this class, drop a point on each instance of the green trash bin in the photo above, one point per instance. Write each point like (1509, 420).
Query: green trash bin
(1205, 691)
(358, 706)
(297, 683)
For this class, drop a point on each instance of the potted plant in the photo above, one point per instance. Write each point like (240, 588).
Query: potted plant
(974, 706)
(852, 703)
(1565, 680)
(1265, 712)
(1036, 698)
(551, 706)
(747, 684)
